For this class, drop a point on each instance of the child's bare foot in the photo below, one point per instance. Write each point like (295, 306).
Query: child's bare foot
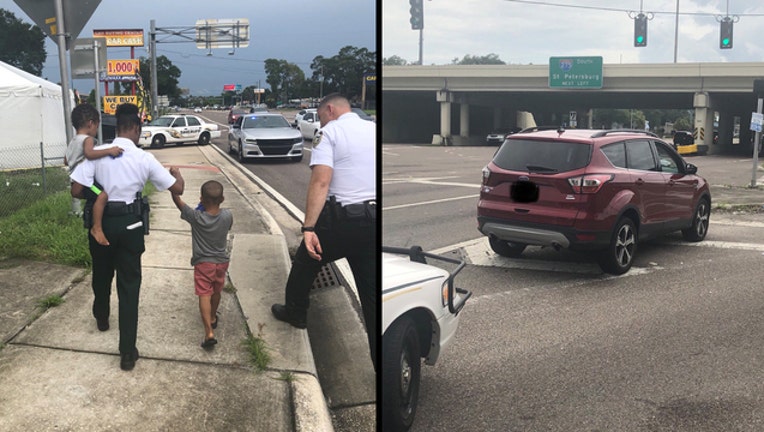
(99, 236)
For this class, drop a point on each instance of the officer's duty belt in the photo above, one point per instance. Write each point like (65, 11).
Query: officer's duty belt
(118, 208)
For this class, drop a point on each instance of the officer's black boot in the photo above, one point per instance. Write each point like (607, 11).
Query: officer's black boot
(291, 316)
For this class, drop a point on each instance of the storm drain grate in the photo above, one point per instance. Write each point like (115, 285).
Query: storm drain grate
(326, 278)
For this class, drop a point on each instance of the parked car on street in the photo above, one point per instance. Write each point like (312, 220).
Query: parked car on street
(593, 190)
(177, 129)
(496, 137)
(300, 114)
(420, 315)
(264, 135)
(309, 125)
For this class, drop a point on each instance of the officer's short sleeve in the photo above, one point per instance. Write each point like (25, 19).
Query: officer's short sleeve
(323, 150)
(159, 175)
(84, 173)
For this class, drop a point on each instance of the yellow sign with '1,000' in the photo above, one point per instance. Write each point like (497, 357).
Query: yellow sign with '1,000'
(122, 67)
(110, 103)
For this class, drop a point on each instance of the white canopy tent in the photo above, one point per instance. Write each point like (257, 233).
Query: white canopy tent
(31, 112)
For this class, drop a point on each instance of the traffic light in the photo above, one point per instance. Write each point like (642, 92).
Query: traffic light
(640, 30)
(725, 35)
(417, 14)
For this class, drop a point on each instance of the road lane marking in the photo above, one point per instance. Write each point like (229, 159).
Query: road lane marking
(438, 201)
(437, 181)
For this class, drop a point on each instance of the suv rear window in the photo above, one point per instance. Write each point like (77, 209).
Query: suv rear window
(542, 156)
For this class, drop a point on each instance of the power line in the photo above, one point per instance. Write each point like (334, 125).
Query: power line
(606, 9)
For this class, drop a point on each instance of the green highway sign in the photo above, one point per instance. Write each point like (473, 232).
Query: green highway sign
(575, 72)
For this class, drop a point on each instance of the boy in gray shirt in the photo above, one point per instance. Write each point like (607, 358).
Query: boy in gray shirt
(209, 237)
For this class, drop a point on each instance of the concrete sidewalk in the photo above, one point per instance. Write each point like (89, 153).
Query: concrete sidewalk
(61, 373)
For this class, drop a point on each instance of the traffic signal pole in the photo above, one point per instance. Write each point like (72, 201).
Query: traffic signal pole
(421, 43)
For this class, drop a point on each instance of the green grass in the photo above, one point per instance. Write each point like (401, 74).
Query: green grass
(44, 231)
(21, 188)
(50, 301)
(258, 352)
(41, 227)
(229, 288)
(287, 376)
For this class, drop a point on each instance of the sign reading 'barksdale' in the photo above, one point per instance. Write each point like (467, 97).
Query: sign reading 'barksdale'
(575, 72)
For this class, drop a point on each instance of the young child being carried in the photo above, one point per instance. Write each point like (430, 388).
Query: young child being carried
(209, 238)
(85, 119)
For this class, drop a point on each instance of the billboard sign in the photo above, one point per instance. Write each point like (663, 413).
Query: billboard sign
(121, 38)
(110, 103)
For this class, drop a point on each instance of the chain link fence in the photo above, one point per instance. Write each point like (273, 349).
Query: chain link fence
(29, 173)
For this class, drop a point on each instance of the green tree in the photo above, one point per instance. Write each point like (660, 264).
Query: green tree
(490, 59)
(21, 45)
(284, 78)
(344, 72)
(394, 61)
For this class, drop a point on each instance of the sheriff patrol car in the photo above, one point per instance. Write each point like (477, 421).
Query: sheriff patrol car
(178, 129)
(420, 314)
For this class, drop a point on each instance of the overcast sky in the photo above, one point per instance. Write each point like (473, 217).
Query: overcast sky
(524, 32)
(295, 30)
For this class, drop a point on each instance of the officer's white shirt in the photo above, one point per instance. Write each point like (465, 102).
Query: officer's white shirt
(124, 176)
(348, 145)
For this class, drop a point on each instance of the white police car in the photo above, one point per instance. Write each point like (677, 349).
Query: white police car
(177, 129)
(420, 314)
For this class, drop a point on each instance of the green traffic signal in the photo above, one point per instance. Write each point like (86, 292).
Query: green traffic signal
(725, 34)
(640, 31)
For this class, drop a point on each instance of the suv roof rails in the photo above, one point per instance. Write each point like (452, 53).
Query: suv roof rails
(539, 128)
(633, 131)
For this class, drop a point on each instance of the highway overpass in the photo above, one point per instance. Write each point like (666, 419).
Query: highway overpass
(460, 104)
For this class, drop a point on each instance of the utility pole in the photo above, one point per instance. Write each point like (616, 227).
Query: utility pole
(61, 41)
(154, 84)
(676, 30)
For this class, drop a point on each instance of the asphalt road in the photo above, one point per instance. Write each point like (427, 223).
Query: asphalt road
(289, 178)
(548, 342)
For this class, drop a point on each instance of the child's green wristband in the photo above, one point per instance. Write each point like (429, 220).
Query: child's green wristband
(95, 189)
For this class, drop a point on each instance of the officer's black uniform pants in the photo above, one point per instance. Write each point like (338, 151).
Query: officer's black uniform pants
(357, 242)
(123, 255)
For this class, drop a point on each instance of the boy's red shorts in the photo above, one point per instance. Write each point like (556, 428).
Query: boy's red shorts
(209, 278)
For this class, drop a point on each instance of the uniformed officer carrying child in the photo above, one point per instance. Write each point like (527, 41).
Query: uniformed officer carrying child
(125, 222)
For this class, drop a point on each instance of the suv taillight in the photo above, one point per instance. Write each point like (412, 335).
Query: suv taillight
(486, 174)
(589, 183)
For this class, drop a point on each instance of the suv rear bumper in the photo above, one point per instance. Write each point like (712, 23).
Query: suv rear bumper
(543, 235)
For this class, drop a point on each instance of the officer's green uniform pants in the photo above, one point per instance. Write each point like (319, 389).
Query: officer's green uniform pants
(123, 255)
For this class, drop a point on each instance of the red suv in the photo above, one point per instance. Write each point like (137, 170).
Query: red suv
(591, 190)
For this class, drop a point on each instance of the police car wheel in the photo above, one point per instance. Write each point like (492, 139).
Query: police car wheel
(401, 370)
(157, 141)
(240, 154)
(204, 138)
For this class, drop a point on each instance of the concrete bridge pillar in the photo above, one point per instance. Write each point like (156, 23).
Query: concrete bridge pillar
(703, 130)
(445, 98)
